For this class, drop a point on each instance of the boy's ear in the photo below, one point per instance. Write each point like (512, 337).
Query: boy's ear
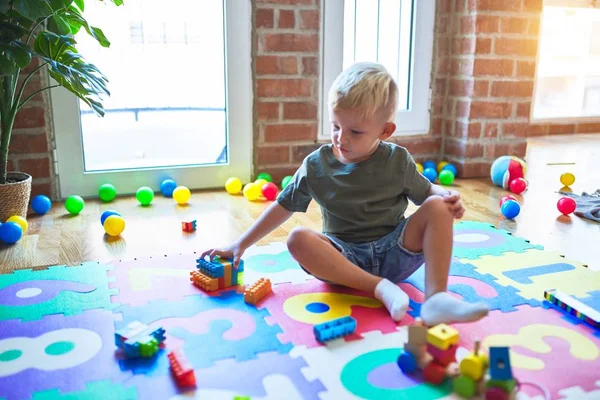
(388, 130)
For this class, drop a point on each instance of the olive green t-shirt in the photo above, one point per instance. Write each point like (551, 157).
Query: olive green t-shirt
(359, 202)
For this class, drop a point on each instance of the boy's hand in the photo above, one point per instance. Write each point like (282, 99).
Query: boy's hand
(455, 205)
(233, 251)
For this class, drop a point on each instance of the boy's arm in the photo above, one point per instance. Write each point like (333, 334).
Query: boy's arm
(274, 216)
(451, 197)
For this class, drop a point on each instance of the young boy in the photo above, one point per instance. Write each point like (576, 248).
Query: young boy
(363, 185)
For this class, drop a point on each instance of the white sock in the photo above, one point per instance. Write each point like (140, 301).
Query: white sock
(442, 307)
(394, 298)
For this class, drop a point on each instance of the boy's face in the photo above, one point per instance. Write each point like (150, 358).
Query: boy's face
(355, 138)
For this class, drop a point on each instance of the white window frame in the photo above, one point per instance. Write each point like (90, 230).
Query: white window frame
(415, 120)
(68, 154)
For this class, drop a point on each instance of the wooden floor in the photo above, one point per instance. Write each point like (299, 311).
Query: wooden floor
(60, 239)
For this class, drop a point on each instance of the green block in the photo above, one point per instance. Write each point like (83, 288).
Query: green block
(94, 391)
(507, 386)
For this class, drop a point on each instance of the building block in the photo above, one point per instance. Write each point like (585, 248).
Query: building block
(139, 340)
(507, 385)
(465, 386)
(475, 364)
(204, 282)
(434, 373)
(417, 334)
(500, 363)
(334, 329)
(416, 350)
(217, 274)
(442, 336)
(212, 269)
(188, 226)
(442, 357)
(257, 291)
(496, 393)
(574, 307)
(181, 369)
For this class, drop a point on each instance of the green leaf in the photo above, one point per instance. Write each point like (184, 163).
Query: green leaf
(10, 31)
(76, 21)
(71, 70)
(21, 20)
(59, 25)
(118, 2)
(7, 65)
(34, 9)
(4, 6)
(80, 4)
(18, 52)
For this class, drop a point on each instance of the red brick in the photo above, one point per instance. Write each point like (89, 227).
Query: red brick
(267, 111)
(34, 84)
(284, 87)
(36, 167)
(442, 25)
(537, 129)
(309, 19)
(524, 110)
(11, 165)
(518, 149)
(498, 5)
(467, 130)
(32, 65)
(287, 19)
(526, 68)
(299, 111)
(459, 6)
(474, 130)
(422, 145)
(291, 42)
(481, 88)
(468, 24)
(474, 169)
(514, 129)
(299, 153)
(310, 66)
(264, 18)
(44, 188)
(449, 127)
(533, 28)
(493, 67)
(484, 46)
(461, 87)
(588, 127)
(461, 148)
(488, 109)
(495, 150)
(30, 117)
(516, 47)
(445, 6)
(490, 130)
(22, 144)
(462, 109)
(533, 5)
(487, 24)
(269, 65)
(287, 2)
(513, 25)
(561, 129)
(462, 66)
(273, 155)
(438, 106)
(512, 89)
(436, 126)
(277, 173)
(290, 132)
(442, 47)
(463, 46)
(443, 66)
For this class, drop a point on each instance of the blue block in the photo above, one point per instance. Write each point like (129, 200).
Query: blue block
(210, 268)
(500, 363)
(523, 275)
(407, 362)
(334, 329)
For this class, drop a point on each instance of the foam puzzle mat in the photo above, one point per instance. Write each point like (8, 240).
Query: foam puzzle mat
(57, 328)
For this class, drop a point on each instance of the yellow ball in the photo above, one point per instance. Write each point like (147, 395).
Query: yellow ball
(22, 222)
(441, 165)
(233, 185)
(181, 194)
(567, 179)
(114, 225)
(260, 182)
(420, 167)
(252, 191)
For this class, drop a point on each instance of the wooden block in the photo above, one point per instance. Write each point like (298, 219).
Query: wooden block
(442, 357)
(434, 373)
(418, 351)
(442, 336)
(417, 335)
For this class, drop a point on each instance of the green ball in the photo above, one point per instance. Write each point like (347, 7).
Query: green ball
(74, 204)
(145, 195)
(446, 177)
(107, 192)
(266, 176)
(286, 181)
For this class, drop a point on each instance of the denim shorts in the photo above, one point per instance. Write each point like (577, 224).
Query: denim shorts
(385, 257)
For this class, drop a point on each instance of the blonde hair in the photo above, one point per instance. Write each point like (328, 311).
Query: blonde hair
(367, 87)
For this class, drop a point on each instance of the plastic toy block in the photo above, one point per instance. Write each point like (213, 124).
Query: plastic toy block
(255, 293)
(434, 373)
(212, 269)
(574, 307)
(204, 282)
(496, 394)
(500, 364)
(442, 357)
(442, 336)
(475, 364)
(334, 329)
(188, 226)
(181, 369)
(507, 386)
(139, 340)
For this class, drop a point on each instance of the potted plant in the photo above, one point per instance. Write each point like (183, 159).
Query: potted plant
(39, 34)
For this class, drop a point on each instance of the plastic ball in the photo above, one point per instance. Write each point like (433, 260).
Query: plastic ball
(507, 168)
(286, 181)
(446, 177)
(566, 205)
(41, 204)
(260, 182)
(518, 185)
(22, 222)
(107, 192)
(450, 167)
(269, 191)
(510, 209)
(144, 195)
(74, 204)
(10, 232)
(252, 191)
(507, 197)
(419, 168)
(114, 225)
(429, 164)
(430, 174)
(233, 185)
(167, 186)
(441, 166)
(182, 194)
(567, 179)
(107, 214)
(266, 176)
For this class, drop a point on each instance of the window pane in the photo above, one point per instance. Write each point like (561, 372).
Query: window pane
(166, 71)
(568, 75)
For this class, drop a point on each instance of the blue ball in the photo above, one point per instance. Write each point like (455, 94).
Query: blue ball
(107, 214)
(510, 209)
(430, 174)
(10, 232)
(41, 204)
(167, 186)
(430, 164)
(450, 167)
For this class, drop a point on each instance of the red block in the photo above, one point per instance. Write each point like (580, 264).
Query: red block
(442, 357)
(434, 373)
(181, 369)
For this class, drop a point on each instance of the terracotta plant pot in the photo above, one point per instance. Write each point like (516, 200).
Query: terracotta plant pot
(14, 195)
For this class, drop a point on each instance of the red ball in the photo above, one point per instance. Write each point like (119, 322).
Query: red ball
(269, 190)
(507, 197)
(566, 205)
(518, 185)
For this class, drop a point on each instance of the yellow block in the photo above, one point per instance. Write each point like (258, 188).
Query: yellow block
(474, 366)
(442, 336)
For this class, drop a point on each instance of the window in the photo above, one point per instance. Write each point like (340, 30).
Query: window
(567, 84)
(395, 33)
(178, 106)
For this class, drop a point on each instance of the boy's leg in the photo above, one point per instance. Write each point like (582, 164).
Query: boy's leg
(429, 230)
